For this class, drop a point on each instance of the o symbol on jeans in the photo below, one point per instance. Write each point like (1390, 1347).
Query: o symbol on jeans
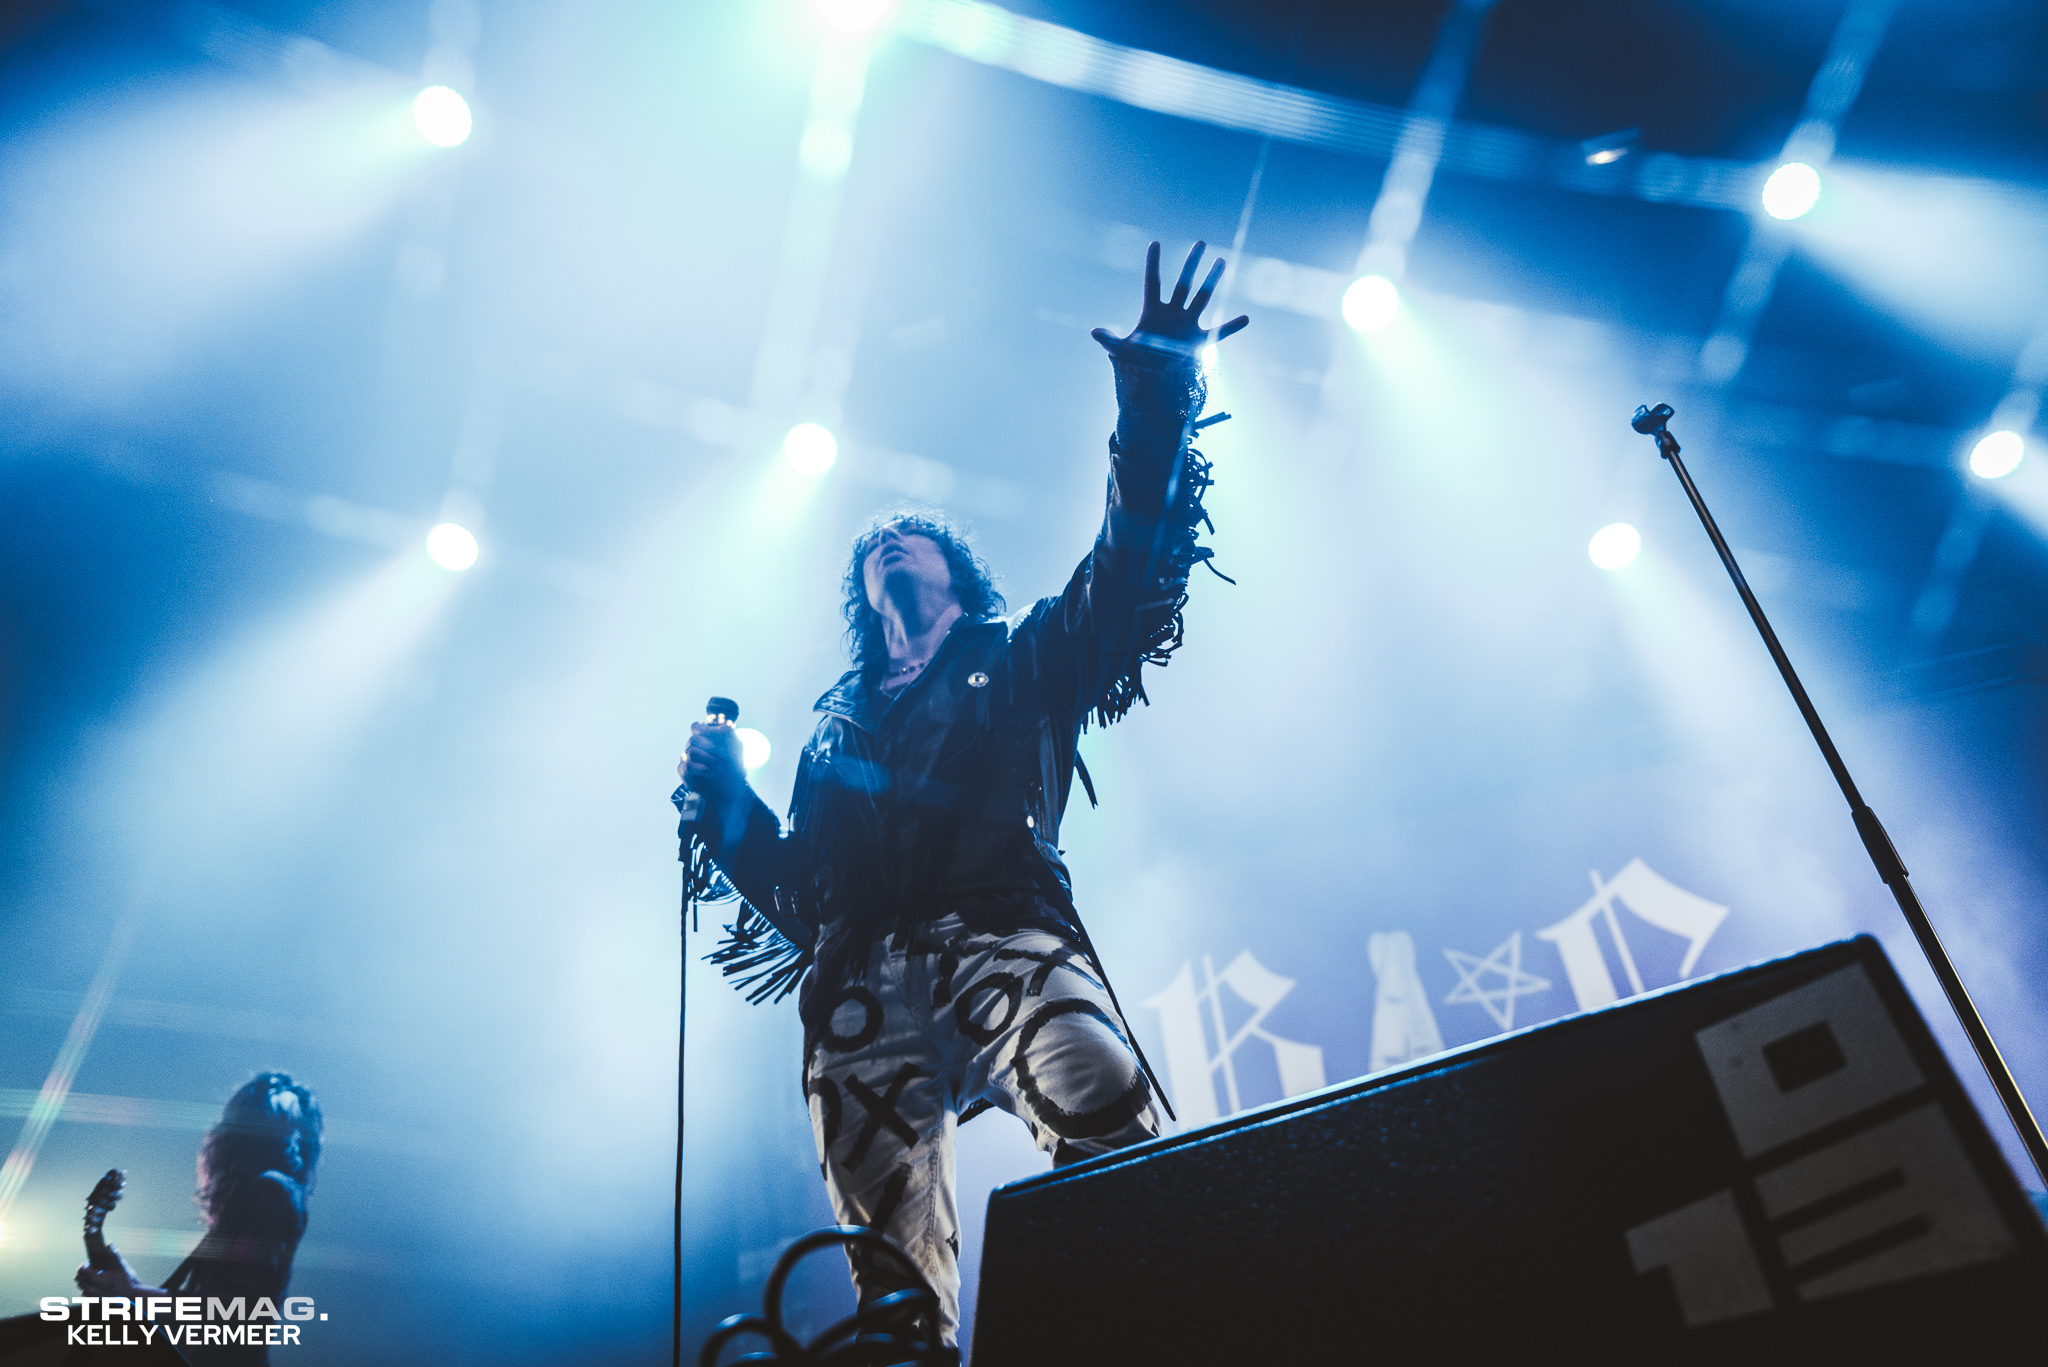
(871, 1024)
(1012, 989)
(1067, 1124)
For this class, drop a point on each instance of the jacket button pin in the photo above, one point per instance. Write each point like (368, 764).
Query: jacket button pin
(977, 680)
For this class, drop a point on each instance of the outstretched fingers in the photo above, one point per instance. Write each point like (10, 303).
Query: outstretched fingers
(1176, 322)
(1201, 299)
(1187, 275)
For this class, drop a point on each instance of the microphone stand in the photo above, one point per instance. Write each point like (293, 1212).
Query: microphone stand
(683, 1040)
(1651, 422)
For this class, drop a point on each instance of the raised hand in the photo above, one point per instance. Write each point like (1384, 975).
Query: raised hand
(1174, 324)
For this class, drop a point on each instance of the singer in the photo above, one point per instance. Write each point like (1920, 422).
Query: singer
(920, 881)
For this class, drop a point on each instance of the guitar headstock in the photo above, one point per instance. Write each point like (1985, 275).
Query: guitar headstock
(106, 1194)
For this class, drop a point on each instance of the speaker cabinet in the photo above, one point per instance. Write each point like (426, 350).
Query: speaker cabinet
(1775, 1164)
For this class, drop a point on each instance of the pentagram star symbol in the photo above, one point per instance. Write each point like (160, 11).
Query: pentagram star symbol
(1506, 964)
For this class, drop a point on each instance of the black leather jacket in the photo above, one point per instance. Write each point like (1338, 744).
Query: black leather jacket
(948, 797)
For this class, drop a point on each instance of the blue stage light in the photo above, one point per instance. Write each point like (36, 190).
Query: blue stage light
(1792, 189)
(1997, 455)
(441, 115)
(1615, 545)
(754, 747)
(1371, 303)
(1609, 148)
(451, 547)
(810, 448)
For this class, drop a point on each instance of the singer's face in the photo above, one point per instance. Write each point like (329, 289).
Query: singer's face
(904, 561)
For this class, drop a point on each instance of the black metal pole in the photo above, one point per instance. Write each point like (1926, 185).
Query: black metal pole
(1651, 422)
(683, 1021)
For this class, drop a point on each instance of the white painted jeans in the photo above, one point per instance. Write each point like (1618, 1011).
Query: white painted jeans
(939, 1023)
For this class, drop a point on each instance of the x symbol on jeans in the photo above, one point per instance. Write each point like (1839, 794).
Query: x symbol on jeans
(881, 1111)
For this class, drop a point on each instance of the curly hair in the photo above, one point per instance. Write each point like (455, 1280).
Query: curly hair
(271, 1124)
(972, 581)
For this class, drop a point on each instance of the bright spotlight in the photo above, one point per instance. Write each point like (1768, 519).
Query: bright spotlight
(810, 448)
(825, 150)
(451, 547)
(1997, 455)
(441, 115)
(1614, 546)
(852, 16)
(1608, 148)
(1792, 189)
(1207, 356)
(1371, 303)
(754, 747)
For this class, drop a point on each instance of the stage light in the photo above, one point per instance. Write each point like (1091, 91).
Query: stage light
(810, 448)
(852, 16)
(1608, 148)
(1998, 455)
(826, 149)
(451, 547)
(1371, 303)
(441, 115)
(1615, 545)
(1207, 355)
(1792, 189)
(754, 747)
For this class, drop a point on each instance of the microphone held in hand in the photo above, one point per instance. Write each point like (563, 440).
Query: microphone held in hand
(717, 711)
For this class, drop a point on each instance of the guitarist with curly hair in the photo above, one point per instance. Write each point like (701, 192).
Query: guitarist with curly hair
(256, 1169)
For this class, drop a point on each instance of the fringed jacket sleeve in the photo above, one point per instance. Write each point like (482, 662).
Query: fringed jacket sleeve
(767, 946)
(1122, 609)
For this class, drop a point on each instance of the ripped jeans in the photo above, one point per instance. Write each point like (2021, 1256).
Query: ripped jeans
(949, 1018)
